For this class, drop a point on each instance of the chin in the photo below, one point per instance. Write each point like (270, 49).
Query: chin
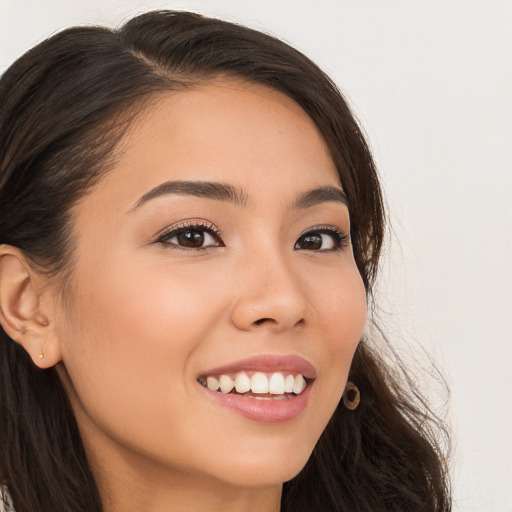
(265, 469)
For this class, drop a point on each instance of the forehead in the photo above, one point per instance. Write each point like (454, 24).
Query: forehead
(247, 135)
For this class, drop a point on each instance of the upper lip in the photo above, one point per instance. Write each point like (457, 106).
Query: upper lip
(267, 363)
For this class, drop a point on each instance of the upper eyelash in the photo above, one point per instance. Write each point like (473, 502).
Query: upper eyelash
(192, 225)
(344, 238)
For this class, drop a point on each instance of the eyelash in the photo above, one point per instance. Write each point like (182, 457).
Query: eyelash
(204, 227)
(339, 238)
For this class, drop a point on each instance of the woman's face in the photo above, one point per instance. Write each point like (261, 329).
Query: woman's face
(216, 249)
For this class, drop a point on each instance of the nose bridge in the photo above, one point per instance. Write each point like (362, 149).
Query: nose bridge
(270, 293)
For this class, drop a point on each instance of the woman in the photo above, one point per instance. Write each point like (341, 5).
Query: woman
(191, 224)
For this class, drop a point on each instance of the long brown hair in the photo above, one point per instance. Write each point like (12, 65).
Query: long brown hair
(64, 106)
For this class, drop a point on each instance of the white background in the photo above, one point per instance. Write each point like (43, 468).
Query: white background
(431, 82)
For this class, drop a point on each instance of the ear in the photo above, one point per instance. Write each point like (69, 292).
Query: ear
(22, 314)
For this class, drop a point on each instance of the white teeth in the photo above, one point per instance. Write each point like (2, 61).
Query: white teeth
(242, 383)
(226, 383)
(299, 384)
(288, 384)
(212, 383)
(276, 384)
(259, 383)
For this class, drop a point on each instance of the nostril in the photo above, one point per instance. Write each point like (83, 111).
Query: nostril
(262, 320)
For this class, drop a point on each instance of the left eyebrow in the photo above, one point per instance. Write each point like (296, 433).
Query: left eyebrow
(320, 195)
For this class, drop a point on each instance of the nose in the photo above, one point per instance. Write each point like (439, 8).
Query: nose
(270, 296)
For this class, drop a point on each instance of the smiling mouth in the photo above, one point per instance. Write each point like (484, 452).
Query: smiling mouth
(257, 385)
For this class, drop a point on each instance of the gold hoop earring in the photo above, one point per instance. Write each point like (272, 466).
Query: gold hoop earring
(351, 396)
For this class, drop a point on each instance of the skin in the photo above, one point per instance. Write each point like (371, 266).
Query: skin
(143, 319)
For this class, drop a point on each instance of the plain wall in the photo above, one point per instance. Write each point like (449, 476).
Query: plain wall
(431, 82)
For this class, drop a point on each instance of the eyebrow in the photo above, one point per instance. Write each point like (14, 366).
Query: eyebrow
(207, 189)
(320, 195)
(235, 195)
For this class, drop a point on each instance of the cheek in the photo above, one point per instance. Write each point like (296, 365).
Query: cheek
(341, 310)
(345, 314)
(139, 303)
(340, 303)
(128, 347)
(131, 334)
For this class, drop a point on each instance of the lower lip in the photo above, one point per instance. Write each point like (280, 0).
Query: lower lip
(263, 411)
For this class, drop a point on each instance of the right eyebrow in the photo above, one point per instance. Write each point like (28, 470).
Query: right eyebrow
(207, 189)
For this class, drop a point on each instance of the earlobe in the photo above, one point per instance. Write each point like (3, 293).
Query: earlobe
(21, 315)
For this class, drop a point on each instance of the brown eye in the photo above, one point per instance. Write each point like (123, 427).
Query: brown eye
(191, 237)
(310, 242)
(325, 239)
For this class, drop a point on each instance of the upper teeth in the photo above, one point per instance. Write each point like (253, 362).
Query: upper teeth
(259, 383)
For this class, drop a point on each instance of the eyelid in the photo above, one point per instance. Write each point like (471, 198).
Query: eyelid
(324, 228)
(342, 236)
(199, 224)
